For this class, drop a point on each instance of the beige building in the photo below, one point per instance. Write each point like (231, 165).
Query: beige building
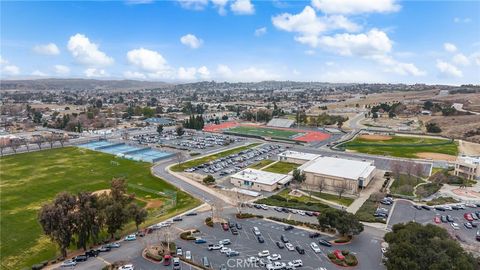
(259, 180)
(338, 173)
(468, 167)
(297, 157)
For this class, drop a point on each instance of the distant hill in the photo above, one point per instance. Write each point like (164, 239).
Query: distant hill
(78, 84)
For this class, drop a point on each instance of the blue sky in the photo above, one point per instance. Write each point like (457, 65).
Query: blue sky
(243, 40)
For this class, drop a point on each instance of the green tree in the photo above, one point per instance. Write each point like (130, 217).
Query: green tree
(137, 214)
(209, 179)
(414, 246)
(87, 221)
(345, 223)
(159, 129)
(433, 128)
(179, 130)
(298, 177)
(57, 220)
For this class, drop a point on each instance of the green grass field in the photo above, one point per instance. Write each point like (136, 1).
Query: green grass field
(332, 197)
(195, 162)
(405, 185)
(263, 132)
(281, 167)
(402, 146)
(29, 180)
(261, 164)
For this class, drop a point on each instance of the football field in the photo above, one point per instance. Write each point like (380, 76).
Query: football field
(265, 132)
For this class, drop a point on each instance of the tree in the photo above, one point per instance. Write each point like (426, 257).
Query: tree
(179, 130)
(298, 177)
(38, 140)
(159, 129)
(63, 138)
(57, 220)
(321, 185)
(209, 179)
(345, 223)
(415, 246)
(341, 187)
(433, 128)
(87, 221)
(114, 206)
(138, 214)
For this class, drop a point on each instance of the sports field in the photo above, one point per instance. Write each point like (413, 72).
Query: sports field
(29, 180)
(403, 146)
(265, 132)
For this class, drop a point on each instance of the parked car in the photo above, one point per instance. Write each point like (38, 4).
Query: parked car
(126, 267)
(418, 207)
(437, 219)
(477, 236)
(315, 247)
(260, 239)
(130, 237)
(92, 253)
(324, 242)
(225, 242)
(426, 207)
(176, 263)
(191, 214)
(263, 253)
(68, 263)
(314, 235)
(113, 245)
(289, 246)
(200, 241)
(440, 208)
(188, 255)
(225, 226)
(300, 250)
(80, 258)
(468, 216)
(468, 225)
(296, 263)
(284, 238)
(274, 257)
(179, 251)
(276, 266)
(449, 218)
(280, 245)
(234, 231)
(177, 219)
(214, 247)
(447, 207)
(288, 228)
(232, 253)
(205, 262)
(338, 254)
(444, 219)
(105, 248)
(455, 226)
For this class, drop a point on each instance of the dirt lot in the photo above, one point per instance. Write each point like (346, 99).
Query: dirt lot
(436, 156)
(469, 148)
(456, 126)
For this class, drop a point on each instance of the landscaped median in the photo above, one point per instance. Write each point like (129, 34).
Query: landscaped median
(195, 162)
(283, 199)
(281, 167)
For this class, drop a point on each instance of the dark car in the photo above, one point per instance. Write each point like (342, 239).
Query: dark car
(257, 206)
(80, 258)
(309, 213)
(455, 207)
(426, 207)
(439, 208)
(324, 242)
(191, 214)
(141, 233)
(260, 239)
(418, 207)
(280, 245)
(288, 228)
(234, 231)
(314, 235)
(231, 224)
(444, 219)
(285, 210)
(92, 253)
(449, 218)
(284, 238)
(177, 219)
(239, 226)
(300, 250)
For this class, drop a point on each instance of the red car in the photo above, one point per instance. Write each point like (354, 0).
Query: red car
(225, 226)
(437, 219)
(338, 254)
(316, 214)
(468, 216)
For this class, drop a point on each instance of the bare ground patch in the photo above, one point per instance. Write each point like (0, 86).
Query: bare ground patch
(469, 148)
(151, 204)
(436, 156)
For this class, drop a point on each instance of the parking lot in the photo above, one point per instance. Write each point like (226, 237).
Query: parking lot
(403, 212)
(236, 162)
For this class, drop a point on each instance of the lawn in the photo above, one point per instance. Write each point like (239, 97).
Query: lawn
(281, 167)
(29, 180)
(331, 197)
(282, 199)
(264, 132)
(428, 189)
(366, 211)
(261, 164)
(402, 146)
(405, 184)
(195, 162)
(442, 200)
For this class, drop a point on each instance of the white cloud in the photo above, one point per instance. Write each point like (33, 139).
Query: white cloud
(355, 6)
(461, 20)
(250, 74)
(61, 69)
(95, 73)
(394, 66)
(476, 58)
(203, 72)
(309, 26)
(86, 52)
(374, 42)
(7, 68)
(296, 72)
(309, 52)
(460, 59)
(260, 31)
(193, 4)
(138, 2)
(448, 69)
(350, 76)
(242, 7)
(224, 71)
(135, 75)
(47, 49)
(191, 41)
(147, 60)
(38, 73)
(220, 5)
(187, 74)
(449, 47)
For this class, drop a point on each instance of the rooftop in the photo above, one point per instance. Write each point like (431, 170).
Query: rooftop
(470, 159)
(299, 155)
(339, 167)
(261, 177)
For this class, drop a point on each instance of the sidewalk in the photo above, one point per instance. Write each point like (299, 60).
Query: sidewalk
(374, 186)
(334, 204)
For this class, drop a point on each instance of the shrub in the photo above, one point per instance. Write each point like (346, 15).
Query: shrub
(153, 256)
(331, 256)
(343, 240)
(247, 215)
(351, 260)
(188, 235)
(345, 252)
(209, 221)
(209, 180)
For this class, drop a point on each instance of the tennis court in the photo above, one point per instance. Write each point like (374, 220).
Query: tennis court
(127, 151)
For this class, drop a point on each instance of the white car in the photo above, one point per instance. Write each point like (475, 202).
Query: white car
(215, 247)
(130, 237)
(289, 246)
(296, 263)
(225, 250)
(448, 207)
(126, 267)
(263, 253)
(471, 205)
(225, 242)
(315, 247)
(188, 255)
(276, 266)
(455, 226)
(69, 263)
(302, 213)
(274, 257)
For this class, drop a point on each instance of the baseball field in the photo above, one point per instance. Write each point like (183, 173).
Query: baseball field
(30, 180)
(404, 146)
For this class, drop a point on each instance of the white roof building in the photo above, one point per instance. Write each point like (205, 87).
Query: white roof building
(259, 180)
(339, 167)
(297, 157)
